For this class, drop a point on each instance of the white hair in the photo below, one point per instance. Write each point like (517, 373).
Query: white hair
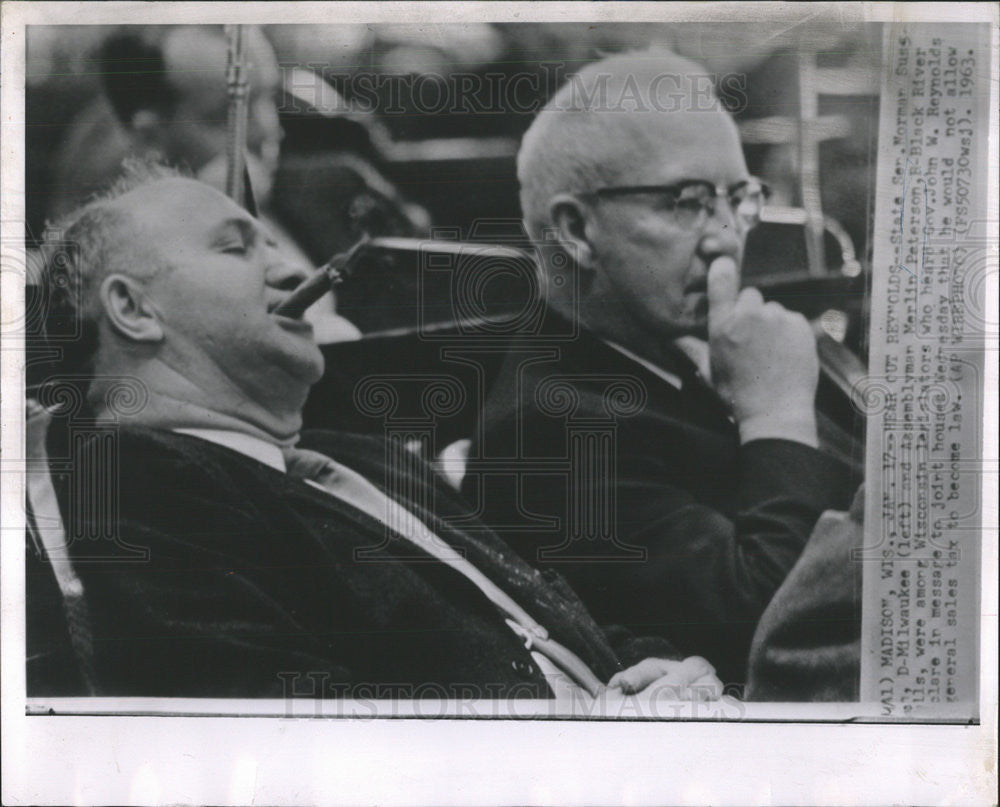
(594, 126)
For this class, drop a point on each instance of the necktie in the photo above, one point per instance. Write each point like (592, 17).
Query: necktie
(352, 487)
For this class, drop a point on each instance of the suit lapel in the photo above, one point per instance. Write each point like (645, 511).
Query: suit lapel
(566, 617)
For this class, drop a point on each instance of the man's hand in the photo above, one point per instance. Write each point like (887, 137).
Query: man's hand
(764, 360)
(692, 679)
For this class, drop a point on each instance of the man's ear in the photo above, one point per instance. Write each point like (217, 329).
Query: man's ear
(569, 216)
(128, 310)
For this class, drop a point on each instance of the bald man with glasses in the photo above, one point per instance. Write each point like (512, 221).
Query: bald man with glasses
(655, 440)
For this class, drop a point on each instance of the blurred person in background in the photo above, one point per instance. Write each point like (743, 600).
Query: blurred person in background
(165, 98)
(331, 186)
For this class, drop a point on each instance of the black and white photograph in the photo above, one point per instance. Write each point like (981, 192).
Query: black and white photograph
(416, 393)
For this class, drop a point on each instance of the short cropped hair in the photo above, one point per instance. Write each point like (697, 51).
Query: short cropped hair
(593, 124)
(83, 248)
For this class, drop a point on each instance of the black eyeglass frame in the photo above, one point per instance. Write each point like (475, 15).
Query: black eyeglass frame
(678, 188)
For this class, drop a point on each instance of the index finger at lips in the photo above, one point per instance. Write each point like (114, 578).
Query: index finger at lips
(723, 286)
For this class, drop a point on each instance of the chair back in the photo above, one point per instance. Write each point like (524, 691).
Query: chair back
(59, 639)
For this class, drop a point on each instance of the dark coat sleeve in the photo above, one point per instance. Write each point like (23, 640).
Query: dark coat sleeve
(705, 529)
(706, 576)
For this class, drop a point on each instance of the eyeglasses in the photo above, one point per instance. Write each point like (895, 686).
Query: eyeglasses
(692, 201)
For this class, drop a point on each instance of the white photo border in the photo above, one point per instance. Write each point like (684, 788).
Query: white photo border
(301, 760)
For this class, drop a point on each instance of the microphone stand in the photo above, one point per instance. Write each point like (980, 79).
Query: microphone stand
(237, 87)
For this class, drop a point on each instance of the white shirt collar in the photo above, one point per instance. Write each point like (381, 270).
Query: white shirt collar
(248, 445)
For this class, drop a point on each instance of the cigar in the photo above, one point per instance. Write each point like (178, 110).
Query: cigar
(342, 265)
(316, 285)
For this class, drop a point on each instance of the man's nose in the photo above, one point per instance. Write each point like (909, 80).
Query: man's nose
(283, 274)
(722, 234)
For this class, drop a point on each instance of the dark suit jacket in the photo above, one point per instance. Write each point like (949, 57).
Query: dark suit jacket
(215, 575)
(691, 533)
